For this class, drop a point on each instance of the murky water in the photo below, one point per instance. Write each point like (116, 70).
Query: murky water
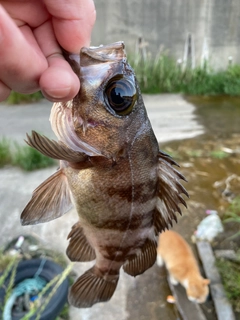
(208, 160)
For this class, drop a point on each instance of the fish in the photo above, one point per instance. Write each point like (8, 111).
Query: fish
(123, 187)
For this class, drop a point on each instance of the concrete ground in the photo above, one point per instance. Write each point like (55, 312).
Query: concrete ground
(135, 298)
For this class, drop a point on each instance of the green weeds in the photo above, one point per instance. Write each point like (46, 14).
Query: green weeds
(233, 214)
(17, 98)
(24, 157)
(230, 270)
(164, 75)
(30, 159)
(230, 274)
(5, 152)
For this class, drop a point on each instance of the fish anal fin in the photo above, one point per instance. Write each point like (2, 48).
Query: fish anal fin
(79, 248)
(91, 288)
(142, 261)
(49, 201)
(54, 149)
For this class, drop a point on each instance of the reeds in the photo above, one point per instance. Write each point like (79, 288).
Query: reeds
(25, 157)
(165, 75)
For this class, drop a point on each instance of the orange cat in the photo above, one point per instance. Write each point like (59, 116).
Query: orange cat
(182, 266)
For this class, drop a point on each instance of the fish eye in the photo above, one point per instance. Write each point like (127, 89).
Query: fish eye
(121, 95)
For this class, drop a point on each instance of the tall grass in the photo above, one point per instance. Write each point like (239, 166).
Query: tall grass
(5, 152)
(24, 157)
(164, 75)
(230, 274)
(233, 214)
(30, 159)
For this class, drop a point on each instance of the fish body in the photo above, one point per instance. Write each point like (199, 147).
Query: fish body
(123, 187)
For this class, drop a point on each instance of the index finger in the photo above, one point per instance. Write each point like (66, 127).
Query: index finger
(73, 21)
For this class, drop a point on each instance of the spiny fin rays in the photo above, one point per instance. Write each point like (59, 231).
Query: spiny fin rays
(79, 248)
(53, 149)
(169, 193)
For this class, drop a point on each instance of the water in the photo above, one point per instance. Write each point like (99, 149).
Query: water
(209, 159)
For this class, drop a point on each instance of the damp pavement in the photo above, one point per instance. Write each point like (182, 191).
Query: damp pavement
(140, 298)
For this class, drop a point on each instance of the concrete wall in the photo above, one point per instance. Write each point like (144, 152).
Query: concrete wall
(213, 25)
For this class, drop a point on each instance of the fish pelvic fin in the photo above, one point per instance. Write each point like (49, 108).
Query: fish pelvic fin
(169, 193)
(49, 201)
(143, 260)
(92, 287)
(79, 248)
(54, 149)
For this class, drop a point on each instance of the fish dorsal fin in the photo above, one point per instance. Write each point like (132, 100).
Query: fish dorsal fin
(169, 192)
(49, 201)
(91, 288)
(143, 260)
(79, 248)
(53, 149)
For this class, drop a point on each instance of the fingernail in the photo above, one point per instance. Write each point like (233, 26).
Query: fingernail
(59, 95)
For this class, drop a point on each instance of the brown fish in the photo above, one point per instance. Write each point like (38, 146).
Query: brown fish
(124, 189)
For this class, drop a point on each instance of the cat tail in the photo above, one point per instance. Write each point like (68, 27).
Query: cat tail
(92, 287)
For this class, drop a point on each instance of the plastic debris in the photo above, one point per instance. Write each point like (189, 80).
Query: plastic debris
(209, 227)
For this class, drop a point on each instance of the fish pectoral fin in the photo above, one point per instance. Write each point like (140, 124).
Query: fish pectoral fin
(79, 248)
(91, 288)
(49, 201)
(143, 260)
(54, 149)
(169, 192)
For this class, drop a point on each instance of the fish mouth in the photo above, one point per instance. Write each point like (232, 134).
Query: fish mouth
(104, 53)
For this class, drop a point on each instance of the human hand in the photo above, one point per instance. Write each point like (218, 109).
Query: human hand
(31, 33)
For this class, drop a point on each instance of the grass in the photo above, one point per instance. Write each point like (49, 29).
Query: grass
(24, 157)
(5, 152)
(30, 159)
(164, 75)
(17, 98)
(233, 214)
(230, 270)
(230, 274)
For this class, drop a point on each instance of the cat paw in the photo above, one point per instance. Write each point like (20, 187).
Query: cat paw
(173, 280)
(160, 261)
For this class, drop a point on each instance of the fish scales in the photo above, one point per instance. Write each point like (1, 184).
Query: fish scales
(123, 187)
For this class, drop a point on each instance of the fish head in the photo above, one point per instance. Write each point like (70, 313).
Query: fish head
(108, 110)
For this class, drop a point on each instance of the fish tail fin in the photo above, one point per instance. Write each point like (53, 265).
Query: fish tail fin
(92, 287)
(49, 201)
